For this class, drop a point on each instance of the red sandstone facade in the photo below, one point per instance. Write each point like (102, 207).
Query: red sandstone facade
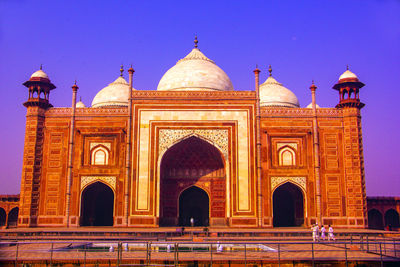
(216, 156)
(342, 178)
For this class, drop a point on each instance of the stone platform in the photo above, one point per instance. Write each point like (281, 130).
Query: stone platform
(169, 246)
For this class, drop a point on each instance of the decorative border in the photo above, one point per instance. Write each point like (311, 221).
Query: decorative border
(109, 180)
(292, 145)
(300, 181)
(169, 137)
(299, 112)
(106, 144)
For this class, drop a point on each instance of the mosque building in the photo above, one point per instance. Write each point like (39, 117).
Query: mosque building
(193, 148)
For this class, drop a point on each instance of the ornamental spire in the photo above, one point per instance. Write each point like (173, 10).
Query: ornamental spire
(195, 42)
(122, 70)
(270, 71)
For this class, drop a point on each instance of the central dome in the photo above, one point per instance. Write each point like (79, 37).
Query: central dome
(195, 72)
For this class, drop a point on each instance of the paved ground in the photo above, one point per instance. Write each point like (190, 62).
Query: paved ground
(238, 245)
(67, 251)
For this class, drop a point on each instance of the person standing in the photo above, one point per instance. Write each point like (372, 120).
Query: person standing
(315, 229)
(330, 233)
(323, 230)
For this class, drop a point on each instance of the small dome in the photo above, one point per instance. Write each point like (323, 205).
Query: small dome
(195, 72)
(80, 104)
(348, 75)
(310, 105)
(115, 94)
(40, 74)
(273, 93)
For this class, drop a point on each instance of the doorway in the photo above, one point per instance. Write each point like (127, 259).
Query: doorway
(97, 205)
(194, 203)
(288, 207)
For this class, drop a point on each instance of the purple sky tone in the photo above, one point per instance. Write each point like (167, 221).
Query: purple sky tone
(302, 40)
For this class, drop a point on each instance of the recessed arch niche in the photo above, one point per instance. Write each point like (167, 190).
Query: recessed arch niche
(192, 162)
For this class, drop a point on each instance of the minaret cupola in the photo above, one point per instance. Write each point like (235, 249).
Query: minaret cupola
(39, 86)
(349, 86)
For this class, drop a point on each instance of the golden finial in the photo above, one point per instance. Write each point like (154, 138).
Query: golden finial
(313, 87)
(195, 41)
(41, 66)
(347, 67)
(75, 82)
(80, 99)
(270, 71)
(122, 70)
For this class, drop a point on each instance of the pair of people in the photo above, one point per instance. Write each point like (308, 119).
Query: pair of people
(315, 232)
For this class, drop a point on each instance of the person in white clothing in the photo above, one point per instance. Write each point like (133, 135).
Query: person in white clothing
(330, 234)
(315, 230)
(323, 230)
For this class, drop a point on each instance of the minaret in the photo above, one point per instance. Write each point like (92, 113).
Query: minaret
(128, 149)
(70, 154)
(317, 160)
(39, 87)
(349, 86)
(258, 142)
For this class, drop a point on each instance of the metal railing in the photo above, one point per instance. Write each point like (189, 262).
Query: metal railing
(167, 253)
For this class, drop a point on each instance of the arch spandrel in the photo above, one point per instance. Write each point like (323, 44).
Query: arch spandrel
(216, 137)
(299, 181)
(108, 180)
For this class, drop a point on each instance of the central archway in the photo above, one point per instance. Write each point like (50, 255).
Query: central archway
(288, 206)
(192, 163)
(97, 205)
(194, 203)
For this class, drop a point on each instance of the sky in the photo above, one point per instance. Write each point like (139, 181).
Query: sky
(87, 41)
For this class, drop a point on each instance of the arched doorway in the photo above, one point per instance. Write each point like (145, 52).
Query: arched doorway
(3, 217)
(194, 203)
(375, 219)
(13, 217)
(97, 205)
(392, 218)
(192, 162)
(288, 207)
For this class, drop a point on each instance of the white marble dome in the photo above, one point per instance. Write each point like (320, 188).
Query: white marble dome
(80, 104)
(195, 72)
(115, 94)
(348, 75)
(310, 105)
(40, 74)
(273, 93)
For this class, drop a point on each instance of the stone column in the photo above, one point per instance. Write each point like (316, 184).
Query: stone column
(317, 167)
(258, 144)
(70, 153)
(128, 149)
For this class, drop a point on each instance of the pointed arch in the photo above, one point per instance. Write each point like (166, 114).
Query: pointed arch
(191, 162)
(194, 202)
(13, 217)
(375, 219)
(3, 217)
(288, 205)
(99, 155)
(287, 156)
(97, 205)
(392, 218)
